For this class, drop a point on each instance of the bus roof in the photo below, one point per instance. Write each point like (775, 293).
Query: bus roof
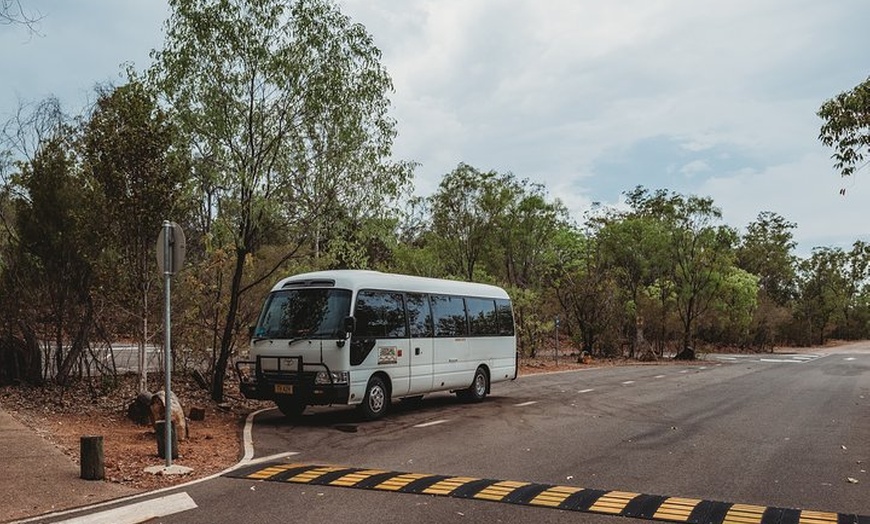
(354, 280)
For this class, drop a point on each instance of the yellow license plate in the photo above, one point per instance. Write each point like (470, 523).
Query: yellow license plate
(285, 389)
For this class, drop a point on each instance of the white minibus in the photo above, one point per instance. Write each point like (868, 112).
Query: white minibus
(365, 338)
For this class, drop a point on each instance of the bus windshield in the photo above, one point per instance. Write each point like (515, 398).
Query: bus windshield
(304, 313)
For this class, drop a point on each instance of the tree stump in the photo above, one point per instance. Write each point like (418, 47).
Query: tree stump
(197, 413)
(160, 427)
(92, 463)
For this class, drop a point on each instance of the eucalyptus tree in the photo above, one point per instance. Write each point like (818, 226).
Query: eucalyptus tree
(735, 306)
(585, 288)
(524, 240)
(466, 211)
(130, 156)
(45, 286)
(6, 212)
(287, 103)
(846, 127)
(823, 289)
(526, 229)
(56, 252)
(767, 250)
(700, 252)
(414, 251)
(494, 222)
(634, 247)
(857, 312)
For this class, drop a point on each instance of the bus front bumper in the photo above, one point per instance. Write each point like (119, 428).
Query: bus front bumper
(309, 387)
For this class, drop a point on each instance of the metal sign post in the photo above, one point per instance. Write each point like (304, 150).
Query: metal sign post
(170, 256)
(167, 341)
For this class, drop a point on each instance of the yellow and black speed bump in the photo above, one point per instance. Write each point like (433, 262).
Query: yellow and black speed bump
(626, 504)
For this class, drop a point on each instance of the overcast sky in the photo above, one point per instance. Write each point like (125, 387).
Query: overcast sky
(590, 98)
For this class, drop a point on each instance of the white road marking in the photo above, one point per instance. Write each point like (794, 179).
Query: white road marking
(271, 458)
(627, 382)
(784, 358)
(523, 404)
(586, 391)
(433, 423)
(140, 511)
(660, 376)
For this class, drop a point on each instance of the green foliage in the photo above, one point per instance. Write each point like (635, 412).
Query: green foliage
(735, 307)
(699, 252)
(846, 127)
(286, 108)
(55, 253)
(823, 292)
(585, 290)
(766, 250)
(263, 128)
(131, 159)
(634, 249)
(465, 211)
(489, 227)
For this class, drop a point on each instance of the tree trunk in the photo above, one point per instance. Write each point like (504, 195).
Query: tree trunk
(217, 383)
(78, 345)
(143, 361)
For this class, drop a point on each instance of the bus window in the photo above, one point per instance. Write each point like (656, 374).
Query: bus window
(312, 313)
(449, 312)
(481, 316)
(419, 315)
(380, 314)
(505, 317)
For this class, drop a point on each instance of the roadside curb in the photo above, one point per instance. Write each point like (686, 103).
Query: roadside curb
(246, 460)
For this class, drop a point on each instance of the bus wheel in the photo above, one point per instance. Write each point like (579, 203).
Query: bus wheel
(290, 407)
(477, 391)
(376, 401)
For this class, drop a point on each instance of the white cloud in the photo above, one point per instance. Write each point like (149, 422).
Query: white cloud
(553, 90)
(805, 190)
(695, 167)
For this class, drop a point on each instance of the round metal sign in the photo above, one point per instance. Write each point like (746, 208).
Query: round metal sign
(177, 248)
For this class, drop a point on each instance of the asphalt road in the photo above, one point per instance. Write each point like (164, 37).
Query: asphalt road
(788, 432)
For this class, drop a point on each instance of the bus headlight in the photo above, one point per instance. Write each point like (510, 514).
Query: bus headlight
(334, 377)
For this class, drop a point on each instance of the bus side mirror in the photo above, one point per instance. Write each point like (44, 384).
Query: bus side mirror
(349, 325)
(346, 329)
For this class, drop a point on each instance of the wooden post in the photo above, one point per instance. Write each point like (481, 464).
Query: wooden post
(160, 427)
(197, 413)
(92, 463)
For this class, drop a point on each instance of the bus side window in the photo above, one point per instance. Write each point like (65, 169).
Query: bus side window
(419, 315)
(380, 314)
(505, 317)
(450, 318)
(482, 316)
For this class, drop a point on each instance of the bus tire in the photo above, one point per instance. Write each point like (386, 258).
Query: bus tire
(377, 399)
(290, 407)
(479, 387)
